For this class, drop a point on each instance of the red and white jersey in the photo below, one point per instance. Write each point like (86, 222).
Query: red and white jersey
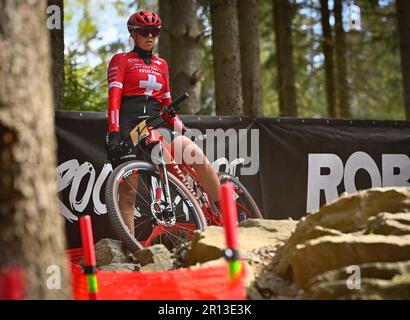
(129, 75)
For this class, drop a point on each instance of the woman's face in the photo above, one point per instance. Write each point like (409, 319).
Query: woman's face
(145, 43)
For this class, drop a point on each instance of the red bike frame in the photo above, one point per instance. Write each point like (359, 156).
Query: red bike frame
(182, 171)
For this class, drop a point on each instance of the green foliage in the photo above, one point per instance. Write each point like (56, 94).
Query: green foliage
(83, 87)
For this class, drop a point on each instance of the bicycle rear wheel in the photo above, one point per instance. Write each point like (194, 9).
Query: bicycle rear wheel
(247, 207)
(150, 225)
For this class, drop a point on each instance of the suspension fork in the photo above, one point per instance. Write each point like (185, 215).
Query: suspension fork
(163, 174)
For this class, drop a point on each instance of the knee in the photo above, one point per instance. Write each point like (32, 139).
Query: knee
(185, 149)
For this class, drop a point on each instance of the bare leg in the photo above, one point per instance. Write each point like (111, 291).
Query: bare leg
(207, 175)
(127, 198)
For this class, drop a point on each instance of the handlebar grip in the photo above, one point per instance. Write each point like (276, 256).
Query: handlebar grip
(178, 100)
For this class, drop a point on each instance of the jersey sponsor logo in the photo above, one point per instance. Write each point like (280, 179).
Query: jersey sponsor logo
(114, 117)
(150, 71)
(115, 84)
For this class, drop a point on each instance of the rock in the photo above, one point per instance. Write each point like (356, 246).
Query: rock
(281, 228)
(333, 252)
(389, 224)
(120, 267)
(258, 240)
(349, 214)
(377, 270)
(377, 281)
(271, 286)
(154, 258)
(109, 251)
(371, 289)
(253, 234)
(206, 245)
(252, 293)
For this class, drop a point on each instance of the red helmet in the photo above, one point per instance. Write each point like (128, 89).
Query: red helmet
(143, 18)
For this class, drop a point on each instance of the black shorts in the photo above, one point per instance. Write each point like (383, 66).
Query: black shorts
(140, 152)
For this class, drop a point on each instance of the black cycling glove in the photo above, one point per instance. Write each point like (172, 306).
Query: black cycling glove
(114, 146)
(117, 150)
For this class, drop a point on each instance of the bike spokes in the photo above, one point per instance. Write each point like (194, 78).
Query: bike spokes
(173, 236)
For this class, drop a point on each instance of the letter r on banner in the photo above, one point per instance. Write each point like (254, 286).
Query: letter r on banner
(327, 183)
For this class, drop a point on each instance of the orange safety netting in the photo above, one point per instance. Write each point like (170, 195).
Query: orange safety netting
(208, 283)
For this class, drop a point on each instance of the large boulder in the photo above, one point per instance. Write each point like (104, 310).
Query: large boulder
(350, 214)
(253, 234)
(332, 252)
(368, 230)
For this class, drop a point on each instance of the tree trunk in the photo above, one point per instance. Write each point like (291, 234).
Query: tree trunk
(32, 234)
(282, 17)
(327, 46)
(164, 39)
(403, 18)
(185, 35)
(227, 60)
(341, 62)
(250, 63)
(57, 51)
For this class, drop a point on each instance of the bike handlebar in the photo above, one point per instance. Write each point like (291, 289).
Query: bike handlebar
(171, 108)
(177, 101)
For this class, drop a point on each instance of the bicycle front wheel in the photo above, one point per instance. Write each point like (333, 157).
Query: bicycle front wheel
(149, 223)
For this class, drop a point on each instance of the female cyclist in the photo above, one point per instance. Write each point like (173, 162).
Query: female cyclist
(138, 87)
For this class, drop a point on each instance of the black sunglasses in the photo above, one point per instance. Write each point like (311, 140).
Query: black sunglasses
(145, 32)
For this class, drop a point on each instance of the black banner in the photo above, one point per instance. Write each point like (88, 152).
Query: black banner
(290, 166)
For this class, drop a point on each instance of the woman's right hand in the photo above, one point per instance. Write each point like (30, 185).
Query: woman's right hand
(114, 152)
(114, 147)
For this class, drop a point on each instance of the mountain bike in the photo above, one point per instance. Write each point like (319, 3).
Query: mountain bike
(170, 201)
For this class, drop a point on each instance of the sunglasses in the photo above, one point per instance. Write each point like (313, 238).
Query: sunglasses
(145, 32)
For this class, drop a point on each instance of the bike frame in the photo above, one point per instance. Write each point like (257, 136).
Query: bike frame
(183, 172)
(145, 132)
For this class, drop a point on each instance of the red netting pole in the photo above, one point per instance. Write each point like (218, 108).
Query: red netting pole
(230, 219)
(90, 268)
(12, 283)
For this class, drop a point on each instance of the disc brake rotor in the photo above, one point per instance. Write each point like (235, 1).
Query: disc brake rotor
(161, 215)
